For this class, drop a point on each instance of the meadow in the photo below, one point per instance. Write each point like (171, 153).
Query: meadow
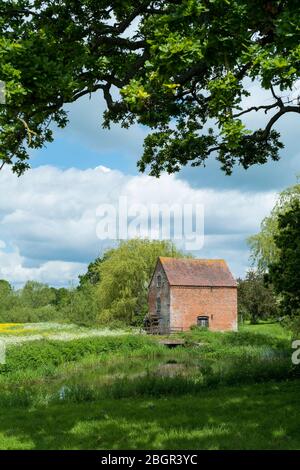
(81, 388)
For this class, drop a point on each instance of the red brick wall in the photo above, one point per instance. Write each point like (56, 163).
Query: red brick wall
(163, 292)
(218, 303)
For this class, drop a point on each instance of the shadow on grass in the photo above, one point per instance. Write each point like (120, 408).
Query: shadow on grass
(265, 416)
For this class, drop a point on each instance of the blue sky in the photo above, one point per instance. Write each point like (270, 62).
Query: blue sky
(48, 216)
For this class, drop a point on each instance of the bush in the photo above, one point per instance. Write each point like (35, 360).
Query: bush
(46, 353)
(80, 305)
(30, 315)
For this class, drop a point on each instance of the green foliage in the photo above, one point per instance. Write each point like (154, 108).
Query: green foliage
(6, 295)
(92, 369)
(66, 394)
(35, 302)
(124, 278)
(5, 287)
(263, 247)
(187, 65)
(92, 276)
(59, 296)
(35, 295)
(112, 292)
(256, 301)
(275, 249)
(25, 314)
(284, 272)
(46, 354)
(80, 305)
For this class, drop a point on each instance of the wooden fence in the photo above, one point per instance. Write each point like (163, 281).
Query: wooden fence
(161, 330)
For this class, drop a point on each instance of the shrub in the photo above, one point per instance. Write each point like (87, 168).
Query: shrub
(80, 305)
(46, 353)
(21, 314)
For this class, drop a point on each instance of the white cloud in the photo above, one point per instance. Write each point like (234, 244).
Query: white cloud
(48, 218)
(13, 268)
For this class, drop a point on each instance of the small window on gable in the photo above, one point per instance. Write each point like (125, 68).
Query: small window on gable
(158, 281)
(203, 321)
(158, 305)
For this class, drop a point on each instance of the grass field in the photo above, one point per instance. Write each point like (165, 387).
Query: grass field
(264, 416)
(126, 391)
(266, 328)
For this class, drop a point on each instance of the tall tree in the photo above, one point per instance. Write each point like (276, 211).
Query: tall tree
(256, 300)
(35, 294)
(5, 287)
(180, 66)
(284, 273)
(6, 296)
(92, 276)
(264, 249)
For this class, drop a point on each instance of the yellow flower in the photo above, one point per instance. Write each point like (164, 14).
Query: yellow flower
(7, 327)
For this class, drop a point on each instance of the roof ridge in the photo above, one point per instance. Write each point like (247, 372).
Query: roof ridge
(192, 259)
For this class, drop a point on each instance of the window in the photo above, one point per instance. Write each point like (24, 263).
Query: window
(158, 281)
(158, 305)
(202, 321)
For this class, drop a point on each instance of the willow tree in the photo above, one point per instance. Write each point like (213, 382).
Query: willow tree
(181, 67)
(264, 250)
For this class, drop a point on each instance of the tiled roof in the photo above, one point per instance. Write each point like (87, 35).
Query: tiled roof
(197, 272)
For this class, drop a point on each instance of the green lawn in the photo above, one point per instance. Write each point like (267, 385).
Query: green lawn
(266, 328)
(219, 391)
(265, 416)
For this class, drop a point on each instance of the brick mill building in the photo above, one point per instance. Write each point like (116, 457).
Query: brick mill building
(185, 292)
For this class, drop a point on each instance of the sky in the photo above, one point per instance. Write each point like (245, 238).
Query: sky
(49, 216)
